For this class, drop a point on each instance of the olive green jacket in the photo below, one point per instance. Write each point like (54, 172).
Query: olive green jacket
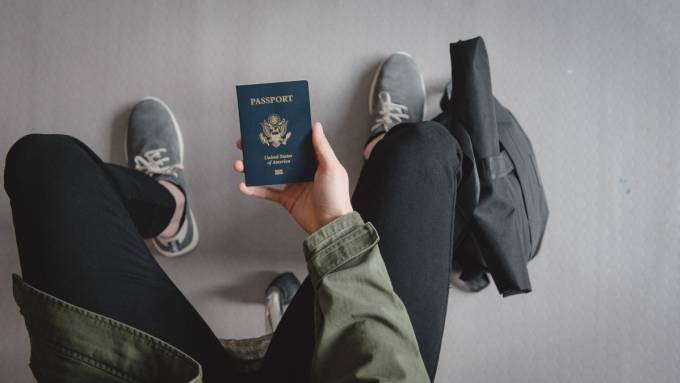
(363, 333)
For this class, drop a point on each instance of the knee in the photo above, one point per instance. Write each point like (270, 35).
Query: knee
(36, 157)
(426, 141)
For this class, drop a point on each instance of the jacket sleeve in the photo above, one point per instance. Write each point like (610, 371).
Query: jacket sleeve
(363, 332)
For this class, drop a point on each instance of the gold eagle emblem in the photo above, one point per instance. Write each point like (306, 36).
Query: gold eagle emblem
(274, 131)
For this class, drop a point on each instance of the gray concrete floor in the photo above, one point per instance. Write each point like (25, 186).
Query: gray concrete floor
(595, 84)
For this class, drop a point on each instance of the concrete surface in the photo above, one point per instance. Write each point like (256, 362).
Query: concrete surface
(595, 83)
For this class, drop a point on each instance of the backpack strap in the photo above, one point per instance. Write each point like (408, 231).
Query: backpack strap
(472, 102)
(498, 166)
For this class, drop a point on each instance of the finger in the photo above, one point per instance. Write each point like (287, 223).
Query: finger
(322, 148)
(239, 144)
(239, 166)
(267, 193)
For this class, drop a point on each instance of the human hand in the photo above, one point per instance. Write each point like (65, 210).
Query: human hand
(312, 204)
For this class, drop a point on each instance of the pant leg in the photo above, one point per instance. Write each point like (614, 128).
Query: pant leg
(407, 189)
(408, 192)
(78, 223)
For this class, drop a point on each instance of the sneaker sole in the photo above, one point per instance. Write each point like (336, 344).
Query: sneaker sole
(375, 80)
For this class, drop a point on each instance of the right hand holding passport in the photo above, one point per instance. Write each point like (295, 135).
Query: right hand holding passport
(312, 204)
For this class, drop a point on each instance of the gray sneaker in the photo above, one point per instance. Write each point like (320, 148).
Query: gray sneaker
(397, 94)
(154, 146)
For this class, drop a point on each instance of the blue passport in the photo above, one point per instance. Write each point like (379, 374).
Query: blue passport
(276, 133)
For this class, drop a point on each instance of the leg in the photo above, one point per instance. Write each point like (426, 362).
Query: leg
(407, 189)
(78, 223)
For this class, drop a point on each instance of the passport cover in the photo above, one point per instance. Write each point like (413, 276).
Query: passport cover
(276, 133)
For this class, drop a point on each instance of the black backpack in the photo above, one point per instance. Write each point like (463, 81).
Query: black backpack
(501, 210)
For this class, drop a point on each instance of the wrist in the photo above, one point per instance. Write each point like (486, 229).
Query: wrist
(332, 216)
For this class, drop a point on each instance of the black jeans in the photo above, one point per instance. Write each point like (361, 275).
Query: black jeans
(80, 225)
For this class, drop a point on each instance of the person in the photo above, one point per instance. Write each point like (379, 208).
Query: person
(98, 307)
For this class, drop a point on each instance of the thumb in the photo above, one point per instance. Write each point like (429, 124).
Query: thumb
(324, 153)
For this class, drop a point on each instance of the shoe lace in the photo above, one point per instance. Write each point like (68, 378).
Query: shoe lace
(152, 163)
(390, 113)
